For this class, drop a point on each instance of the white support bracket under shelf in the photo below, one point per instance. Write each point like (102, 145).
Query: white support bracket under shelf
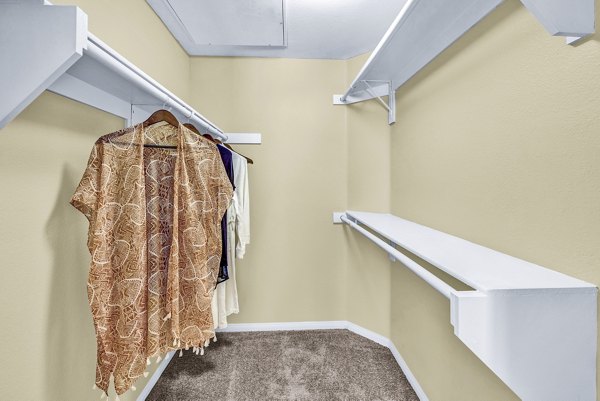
(533, 327)
(372, 90)
(425, 28)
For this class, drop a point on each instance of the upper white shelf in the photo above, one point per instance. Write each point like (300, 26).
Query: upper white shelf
(481, 268)
(106, 80)
(48, 47)
(424, 28)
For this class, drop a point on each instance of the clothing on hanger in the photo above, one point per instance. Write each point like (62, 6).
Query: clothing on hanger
(161, 115)
(225, 299)
(242, 208)
(153, 212)
(217, 141)
(229, 236)
(227, 158)
(248, 160)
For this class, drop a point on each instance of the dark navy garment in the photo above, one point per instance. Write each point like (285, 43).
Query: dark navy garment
(228, 163)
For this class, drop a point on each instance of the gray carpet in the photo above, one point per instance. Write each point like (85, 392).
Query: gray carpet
(319, 365)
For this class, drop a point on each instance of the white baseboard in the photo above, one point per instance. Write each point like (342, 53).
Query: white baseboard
(155, 376)
(284, 326)
(371, 335)
(409, 375)
(295, 326)
(386, 342)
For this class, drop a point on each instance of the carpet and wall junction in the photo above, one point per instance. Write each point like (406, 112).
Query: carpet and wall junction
(316, 365)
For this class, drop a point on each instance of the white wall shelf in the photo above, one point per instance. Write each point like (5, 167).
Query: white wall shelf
(425, 28)
(532, 326)
(38, 44)
(48, 47)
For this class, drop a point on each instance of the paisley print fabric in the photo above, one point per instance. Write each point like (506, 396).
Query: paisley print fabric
(155, 243)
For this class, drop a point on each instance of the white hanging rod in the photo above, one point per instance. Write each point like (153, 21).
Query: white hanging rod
(101, 52)
(416, 268)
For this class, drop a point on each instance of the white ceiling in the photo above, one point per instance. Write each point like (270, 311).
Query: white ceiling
(327, 29)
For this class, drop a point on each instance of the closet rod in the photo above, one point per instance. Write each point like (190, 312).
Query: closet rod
(102, 53)
(419, 270)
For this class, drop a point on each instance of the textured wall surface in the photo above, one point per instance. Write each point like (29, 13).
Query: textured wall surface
(294, 267)
(47, 325)
(43, 153)
(497, 142)
(368, 269)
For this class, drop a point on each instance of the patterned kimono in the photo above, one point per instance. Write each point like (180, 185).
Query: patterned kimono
(155, 243)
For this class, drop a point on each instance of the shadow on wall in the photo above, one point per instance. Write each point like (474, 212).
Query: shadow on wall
(476, 34)
(595, 37)
(70, 339)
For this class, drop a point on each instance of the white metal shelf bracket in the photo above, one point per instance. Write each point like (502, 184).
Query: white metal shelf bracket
(425, 28)
(391, 105)
(382, 88)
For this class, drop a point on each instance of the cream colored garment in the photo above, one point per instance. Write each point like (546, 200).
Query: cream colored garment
(242, 193)
(155, 243)
(225, 302)
(225, 299)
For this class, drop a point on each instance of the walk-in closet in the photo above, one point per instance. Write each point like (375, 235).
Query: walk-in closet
(299, 200)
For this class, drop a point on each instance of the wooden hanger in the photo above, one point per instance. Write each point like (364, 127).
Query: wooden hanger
(157, 117)
(161, 115)
(210, 138)
(245, 157)
(192, 128)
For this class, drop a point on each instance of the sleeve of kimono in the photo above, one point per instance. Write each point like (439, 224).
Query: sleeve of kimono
(86, 195)
(222, 185)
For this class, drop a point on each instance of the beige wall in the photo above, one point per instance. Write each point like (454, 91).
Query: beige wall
(368, 269)
(497, 142)
(47, 336)
(294, 267)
